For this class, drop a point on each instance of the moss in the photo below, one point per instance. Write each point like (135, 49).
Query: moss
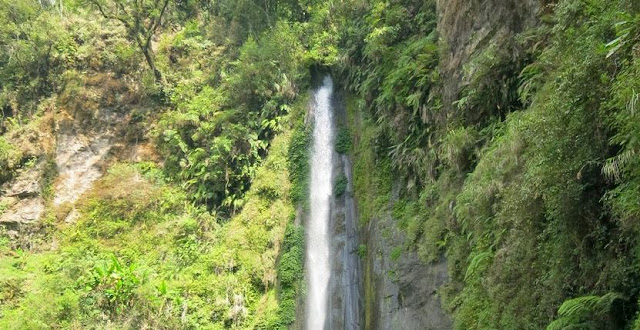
(298, 160)
(340, 185)
(343, 141)
(372, 174)
(362, 251)
(290, 274)
(396, 252)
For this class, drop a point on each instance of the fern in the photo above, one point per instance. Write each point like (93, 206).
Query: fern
(584, 312)
(476, 263)
(613, 167)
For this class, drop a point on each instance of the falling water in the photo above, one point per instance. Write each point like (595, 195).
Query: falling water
(318, 266)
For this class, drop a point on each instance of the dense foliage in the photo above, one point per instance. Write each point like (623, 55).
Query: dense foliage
(203, 239)
(138, 257)
(528, 183)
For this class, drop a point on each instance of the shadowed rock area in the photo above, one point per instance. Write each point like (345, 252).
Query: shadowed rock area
(467, 28)
(346, 282)
(402, 290)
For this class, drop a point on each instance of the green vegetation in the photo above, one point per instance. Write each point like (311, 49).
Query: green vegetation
(340, 185)
(290, 274)
(343, 141)
(362, 251)
(138, 256)
(205, 239)
(141, 20)
(217, 136)
(528, 183)
(371, 172)
(9, 158)
(587, 311)
(298, 161)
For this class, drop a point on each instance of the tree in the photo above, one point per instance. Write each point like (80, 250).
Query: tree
(254, 16)
(30, 62)
(141, 18)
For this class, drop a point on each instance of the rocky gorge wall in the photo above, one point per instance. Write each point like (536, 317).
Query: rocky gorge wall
(400, 290)
(345, 300)
(467, 28)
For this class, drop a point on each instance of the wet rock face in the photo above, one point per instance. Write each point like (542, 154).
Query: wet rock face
(418, 305)
(401, 292)
(345, 283)
(467, 27)
(345, 301)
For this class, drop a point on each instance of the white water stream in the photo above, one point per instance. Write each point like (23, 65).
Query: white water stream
(321, 189)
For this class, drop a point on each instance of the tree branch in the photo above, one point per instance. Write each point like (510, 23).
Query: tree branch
(156, 22)
(135, 21)
(110, 16)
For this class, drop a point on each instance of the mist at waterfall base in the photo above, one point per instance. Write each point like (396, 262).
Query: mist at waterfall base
(318, 266)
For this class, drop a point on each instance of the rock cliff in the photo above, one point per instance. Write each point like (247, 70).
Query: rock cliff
(401, 291)
(467, 28)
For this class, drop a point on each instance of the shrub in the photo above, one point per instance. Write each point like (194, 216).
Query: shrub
(9, 160)
(113, 285)
(298, 164)
(340, 185)
(362, 251)
(343, 141)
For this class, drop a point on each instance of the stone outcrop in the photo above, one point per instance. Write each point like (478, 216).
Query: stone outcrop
(345, 300)
(81, 143)
(22, 199)
(467, 27)
(401, 290)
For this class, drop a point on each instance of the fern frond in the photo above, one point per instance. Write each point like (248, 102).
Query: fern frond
(583, 311)
(631, 106)
(578, 306)
(475, 264)
(559, 324)
(612, 167)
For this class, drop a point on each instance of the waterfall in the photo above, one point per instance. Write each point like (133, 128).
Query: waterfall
(318, 265)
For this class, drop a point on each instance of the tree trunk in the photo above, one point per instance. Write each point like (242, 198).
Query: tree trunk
(148, 55)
